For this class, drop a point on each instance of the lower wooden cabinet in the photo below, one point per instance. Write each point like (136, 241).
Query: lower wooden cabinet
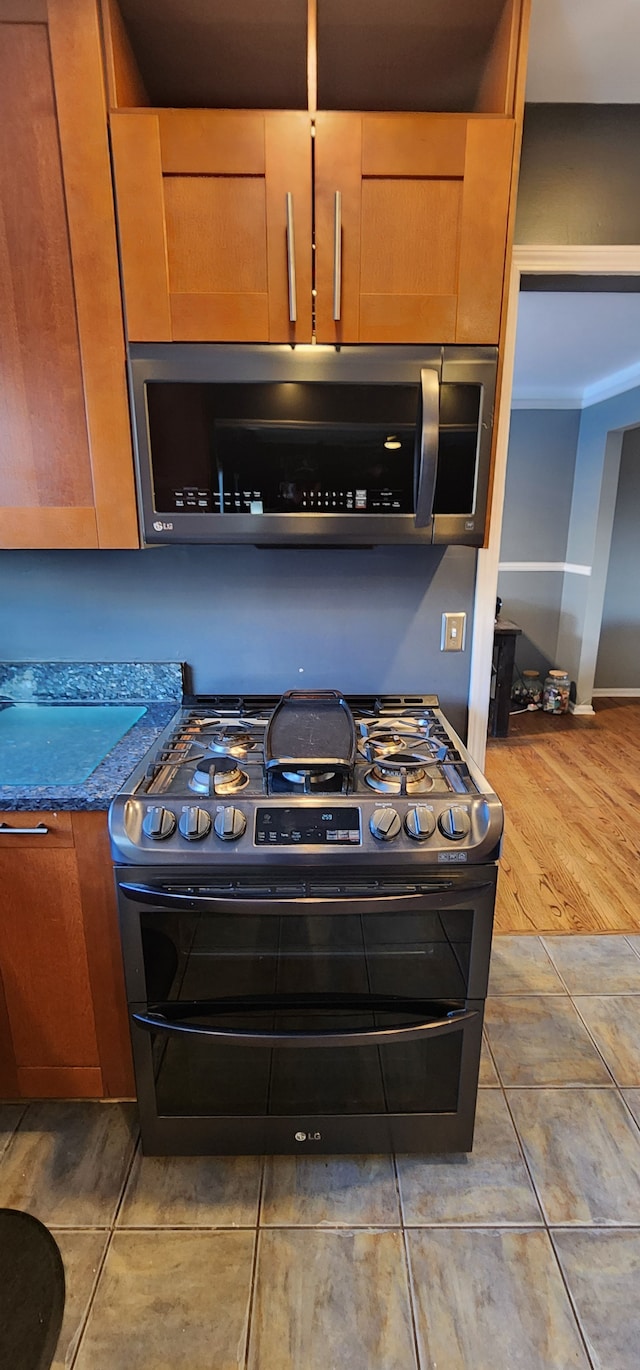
(63, 1016)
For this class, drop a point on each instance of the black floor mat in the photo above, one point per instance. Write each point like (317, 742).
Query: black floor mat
(31, 1292)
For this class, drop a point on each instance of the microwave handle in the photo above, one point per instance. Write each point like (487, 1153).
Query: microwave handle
(427, 455)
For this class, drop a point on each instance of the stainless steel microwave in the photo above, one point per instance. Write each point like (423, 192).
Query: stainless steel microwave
(312, 445)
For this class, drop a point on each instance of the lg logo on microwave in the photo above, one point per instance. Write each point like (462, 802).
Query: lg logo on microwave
(163, 527)
(308, 1136)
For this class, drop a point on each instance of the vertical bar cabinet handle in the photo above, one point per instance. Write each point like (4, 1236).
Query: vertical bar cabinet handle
(291, 261)
(337, 256)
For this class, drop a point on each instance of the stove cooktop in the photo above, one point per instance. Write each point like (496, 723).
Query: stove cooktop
(312, 775)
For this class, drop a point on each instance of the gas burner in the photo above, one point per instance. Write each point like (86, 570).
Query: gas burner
(408, 725)
(218, 775)
(400, 773)
(314, 779)
(384, 744)
(229, 741)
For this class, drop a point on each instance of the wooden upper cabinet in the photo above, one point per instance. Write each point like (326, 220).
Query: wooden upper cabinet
(412, 210)
(411, 226)
(66, 471)
(214, 212)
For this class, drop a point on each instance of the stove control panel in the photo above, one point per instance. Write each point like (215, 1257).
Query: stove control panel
(439, 831)
(276, 827)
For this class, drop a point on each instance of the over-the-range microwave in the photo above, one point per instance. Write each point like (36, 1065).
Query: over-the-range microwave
(312, 445)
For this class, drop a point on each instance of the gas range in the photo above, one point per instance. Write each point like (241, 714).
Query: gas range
(311, 779)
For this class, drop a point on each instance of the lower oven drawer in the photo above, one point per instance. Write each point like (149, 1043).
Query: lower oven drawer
(380, 1078)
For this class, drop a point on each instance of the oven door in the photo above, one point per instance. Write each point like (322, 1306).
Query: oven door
(274, 1020)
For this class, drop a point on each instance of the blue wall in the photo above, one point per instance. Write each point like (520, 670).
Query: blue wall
(537, 509)
(618, 663)
(248, 618)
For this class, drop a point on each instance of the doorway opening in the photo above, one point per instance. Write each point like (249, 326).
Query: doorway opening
(570, 575)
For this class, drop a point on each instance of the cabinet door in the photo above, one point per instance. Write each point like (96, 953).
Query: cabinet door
(66, 471)
(411, 226)
(43, 961)
(213, 249)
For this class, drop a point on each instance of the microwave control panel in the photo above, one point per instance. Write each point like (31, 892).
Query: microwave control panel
(192, 499)
(196, 500)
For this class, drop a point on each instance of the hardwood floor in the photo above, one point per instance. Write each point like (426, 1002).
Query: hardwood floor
(571, 793)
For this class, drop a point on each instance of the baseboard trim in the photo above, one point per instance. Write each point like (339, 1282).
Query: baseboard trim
(632, 692)
(582, 710)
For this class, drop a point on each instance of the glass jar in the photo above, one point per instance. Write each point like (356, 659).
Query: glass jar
(555, 696)
(526, 692)
(532, 689)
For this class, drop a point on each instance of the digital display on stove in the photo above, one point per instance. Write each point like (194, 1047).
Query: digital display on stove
(304, 827)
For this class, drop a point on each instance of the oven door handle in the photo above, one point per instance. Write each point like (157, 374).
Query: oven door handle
(440, 896)
(163, 1021)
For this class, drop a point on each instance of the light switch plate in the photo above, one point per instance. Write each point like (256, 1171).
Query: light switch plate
(454, 631)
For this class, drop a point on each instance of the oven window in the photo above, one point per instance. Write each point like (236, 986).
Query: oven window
(200, 1078)
(323, 974)
(295, 447)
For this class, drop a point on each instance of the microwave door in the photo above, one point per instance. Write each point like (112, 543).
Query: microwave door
(427, 446)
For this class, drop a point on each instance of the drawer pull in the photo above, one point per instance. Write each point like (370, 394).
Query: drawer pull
(40, 830)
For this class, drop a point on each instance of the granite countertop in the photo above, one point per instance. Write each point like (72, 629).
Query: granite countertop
(156, 686)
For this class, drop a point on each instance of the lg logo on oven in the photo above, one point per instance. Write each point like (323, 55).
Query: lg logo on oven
(308, 1136)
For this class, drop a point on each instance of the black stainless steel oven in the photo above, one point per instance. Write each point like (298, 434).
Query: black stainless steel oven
(306, 889)
(291, 1013)
(313, 445)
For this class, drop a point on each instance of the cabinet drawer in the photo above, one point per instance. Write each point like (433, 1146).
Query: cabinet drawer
(35, 830)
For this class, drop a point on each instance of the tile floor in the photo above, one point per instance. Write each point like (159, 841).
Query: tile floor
(523, 1256)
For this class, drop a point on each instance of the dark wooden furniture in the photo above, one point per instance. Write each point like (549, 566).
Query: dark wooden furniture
(504, 650)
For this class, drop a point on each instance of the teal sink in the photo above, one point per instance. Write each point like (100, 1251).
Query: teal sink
(59, 744)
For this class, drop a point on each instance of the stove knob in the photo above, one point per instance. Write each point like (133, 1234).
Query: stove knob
(194, 824)
(158, 823)
(230, 824)
(385, 824)
(420, 823)
(455, 823)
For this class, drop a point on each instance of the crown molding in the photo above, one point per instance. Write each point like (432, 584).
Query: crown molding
(615, 384)
(613, 259)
